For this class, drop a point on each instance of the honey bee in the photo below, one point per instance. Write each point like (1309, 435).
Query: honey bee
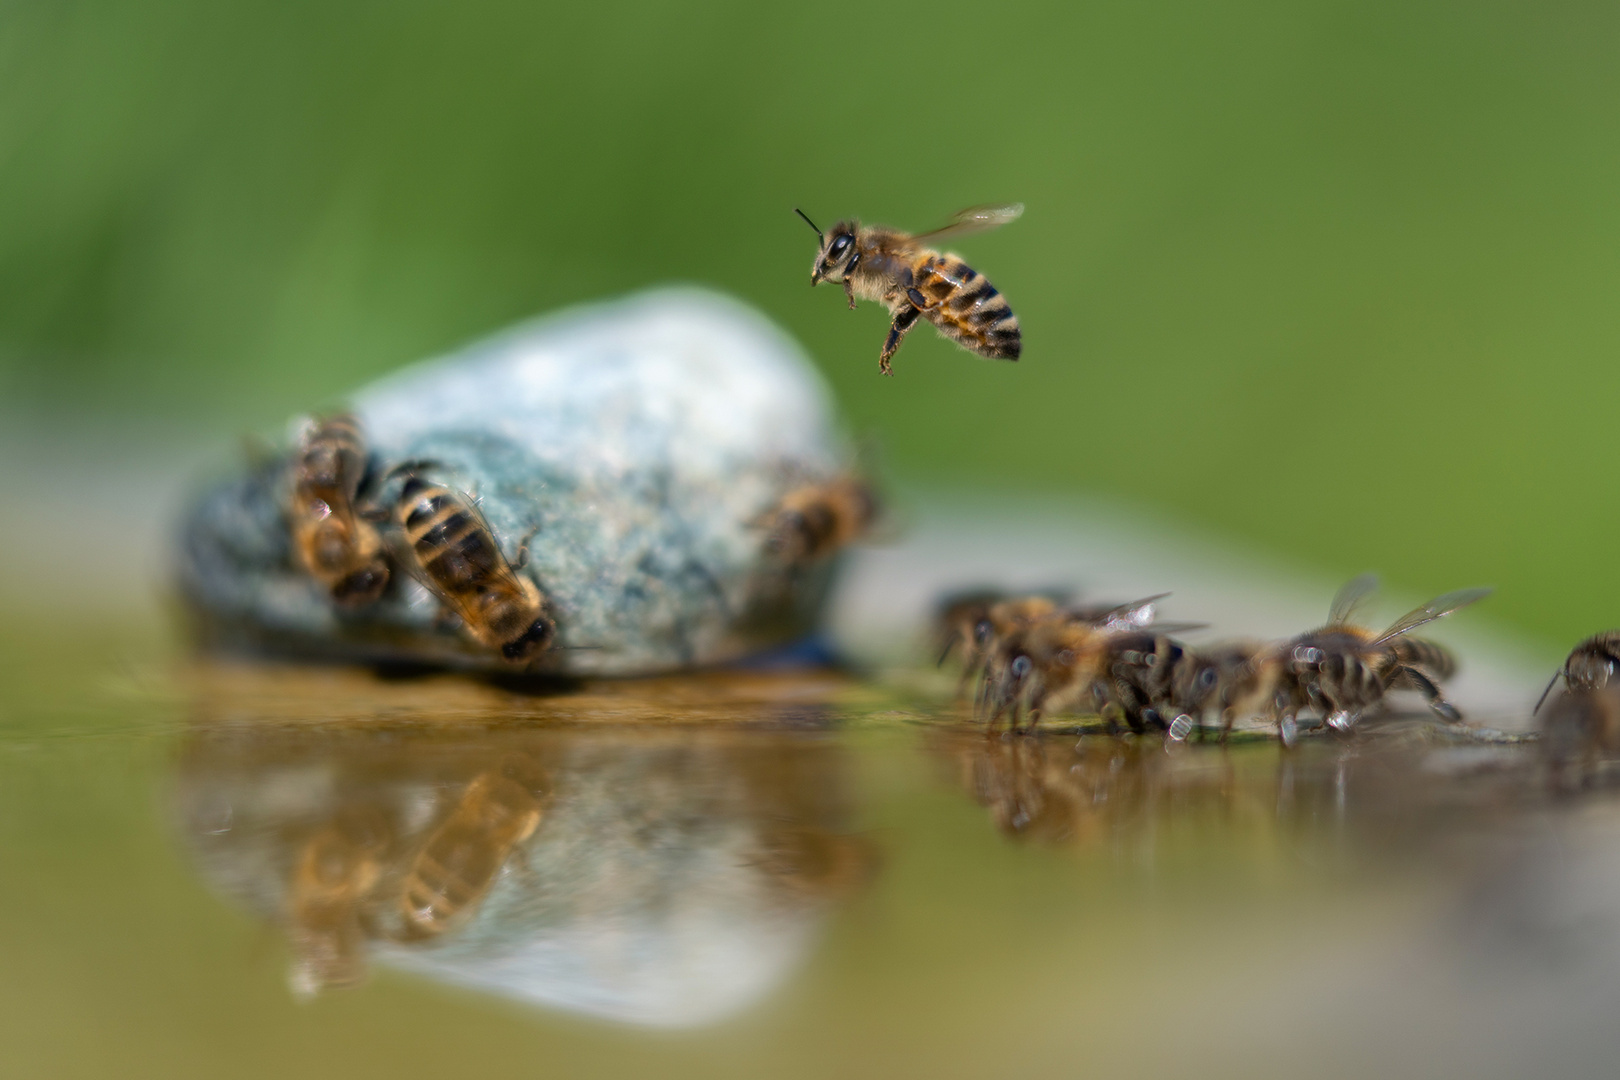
(459, 862)
(814, 521)
(336, 870)
(453, 552)
(1208, 680)
(907, 276)
(1341, 669)
(1065, 658)
(1590, 665)
(335, 545)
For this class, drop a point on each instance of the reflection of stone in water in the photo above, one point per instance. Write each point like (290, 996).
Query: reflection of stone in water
(665, 878)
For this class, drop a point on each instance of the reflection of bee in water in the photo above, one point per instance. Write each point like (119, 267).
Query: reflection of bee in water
(1590, 665)
(1341, 670)
(460, 860)
(905, 275)
(333, 543)
(335, 871)
(1579, 727)
(454, 554)
(815, 521)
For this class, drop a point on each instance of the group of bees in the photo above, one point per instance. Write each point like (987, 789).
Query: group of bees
(1029, 656)
(1034, 655)
(352, 524)
(349, 538)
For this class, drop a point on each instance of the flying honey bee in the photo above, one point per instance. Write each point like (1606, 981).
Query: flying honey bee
(335, 545)
(1590, 665)
(814, 521)
(1341, 669)
(907, 276)
(452, 551)
(459, 862)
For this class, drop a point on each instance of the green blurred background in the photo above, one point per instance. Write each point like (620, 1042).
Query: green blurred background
(1335, 278)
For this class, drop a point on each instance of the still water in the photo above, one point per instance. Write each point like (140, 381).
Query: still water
(230, 869)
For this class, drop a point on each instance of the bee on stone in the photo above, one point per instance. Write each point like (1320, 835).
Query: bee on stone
(450, 548)
(1341, 670)
(332, 541)
(814, 522)
(906, 275)
(1590, 665)
(460, 860)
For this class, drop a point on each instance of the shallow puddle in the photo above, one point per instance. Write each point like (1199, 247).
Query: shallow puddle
(258, 870)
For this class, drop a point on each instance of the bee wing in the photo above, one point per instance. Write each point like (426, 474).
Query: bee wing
(1352, 596)
(975, 219)
(1131, 616)
(1434, 609)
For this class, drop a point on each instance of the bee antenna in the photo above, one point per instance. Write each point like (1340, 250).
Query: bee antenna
(807, 220)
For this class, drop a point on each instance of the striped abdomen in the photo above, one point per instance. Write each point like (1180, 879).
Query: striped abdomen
(965, 307)
(458, 559)
(1434, 659)
(332, 459)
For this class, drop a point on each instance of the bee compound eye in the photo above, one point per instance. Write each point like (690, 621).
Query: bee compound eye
(839, 246)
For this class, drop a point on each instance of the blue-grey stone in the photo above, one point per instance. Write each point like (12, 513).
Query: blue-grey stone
(639, 441)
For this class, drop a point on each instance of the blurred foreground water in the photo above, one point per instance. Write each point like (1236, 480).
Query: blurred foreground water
(253, 869)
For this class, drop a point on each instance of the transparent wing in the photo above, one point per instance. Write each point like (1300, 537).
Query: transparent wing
(975, 219)
(1131, 616)
(1434, 609)
(1352, 596)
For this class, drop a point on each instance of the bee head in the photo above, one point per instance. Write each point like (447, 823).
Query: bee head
(836, 252)
(531, 643)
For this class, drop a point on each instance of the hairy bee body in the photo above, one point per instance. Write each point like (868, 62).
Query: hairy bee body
(1137, 676)
(456, 556)
(461, 859)
(911, 279)
(815, 521)
(1342, 670)
(333, 543)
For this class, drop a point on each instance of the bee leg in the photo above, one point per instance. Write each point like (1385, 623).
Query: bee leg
(849, 291)
(523, 549)
(904, 320)
(1430, 690)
